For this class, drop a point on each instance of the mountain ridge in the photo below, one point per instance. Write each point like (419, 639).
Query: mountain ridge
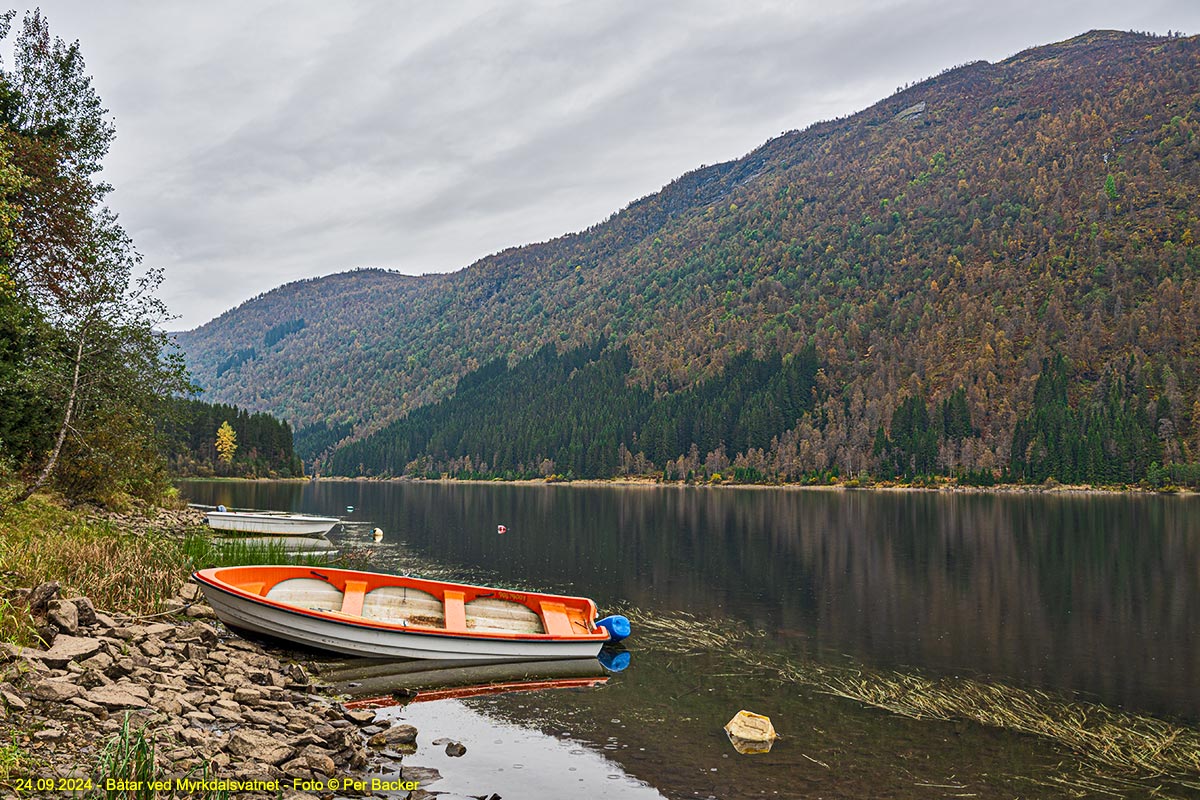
(874, 238)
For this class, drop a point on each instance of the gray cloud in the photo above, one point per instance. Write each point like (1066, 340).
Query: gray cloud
(265, 143)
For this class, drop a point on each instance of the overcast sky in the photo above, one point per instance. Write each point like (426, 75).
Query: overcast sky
(263, 142)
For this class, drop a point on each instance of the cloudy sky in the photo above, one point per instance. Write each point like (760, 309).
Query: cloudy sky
(263, 142)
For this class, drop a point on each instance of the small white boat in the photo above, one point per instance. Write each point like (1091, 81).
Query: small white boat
(388, 616)
(276, 523)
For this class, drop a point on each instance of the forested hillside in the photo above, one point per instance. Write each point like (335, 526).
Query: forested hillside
(954, 240)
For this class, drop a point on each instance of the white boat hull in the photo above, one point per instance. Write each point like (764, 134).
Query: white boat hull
(272, 524)
(350, 638)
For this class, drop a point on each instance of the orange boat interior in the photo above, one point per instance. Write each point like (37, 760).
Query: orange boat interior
(415, 602)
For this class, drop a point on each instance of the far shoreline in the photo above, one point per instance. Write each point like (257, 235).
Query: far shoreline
(650, 483)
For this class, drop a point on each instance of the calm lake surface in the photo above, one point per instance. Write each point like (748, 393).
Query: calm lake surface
(1090, 598)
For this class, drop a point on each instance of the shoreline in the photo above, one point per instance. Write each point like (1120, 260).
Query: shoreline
(165, 695)
(650, 483)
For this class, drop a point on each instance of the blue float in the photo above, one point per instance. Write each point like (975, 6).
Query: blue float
(618, 627)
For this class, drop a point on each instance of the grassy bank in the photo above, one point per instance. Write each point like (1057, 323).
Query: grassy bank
(41, 540)
(121, 567)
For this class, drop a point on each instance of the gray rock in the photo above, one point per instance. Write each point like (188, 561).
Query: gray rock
(398, 734)
(262, 747)
(9, 695)
(247, 696)
(318, 760)
(100, 661)
(130, 633)
(422, 775)
(120, 695)
(69, 648)
(85, 611)
(364, 716)
(201, 611)
(189, 591)
(55, 691)
(456, 749)
(197, 632)
(65, 615)
(92, 708)
(39, 599)
(105, 621)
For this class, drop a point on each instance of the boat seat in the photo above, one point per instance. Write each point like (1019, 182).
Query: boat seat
(557, 621)
(456, 614)
(403, 604)
(252, 588)
(490, 614)
(352, 599)
(310, 593)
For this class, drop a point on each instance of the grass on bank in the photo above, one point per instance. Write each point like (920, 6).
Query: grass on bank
(119, 570)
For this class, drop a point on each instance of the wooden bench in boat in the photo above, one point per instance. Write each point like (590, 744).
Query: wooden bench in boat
(456, 611)
(554, 616)
(353, 596)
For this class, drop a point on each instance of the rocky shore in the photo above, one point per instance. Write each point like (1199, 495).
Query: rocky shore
(217, 707)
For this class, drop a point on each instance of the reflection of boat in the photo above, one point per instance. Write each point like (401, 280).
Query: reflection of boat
(276, 523)
(376, 684)
(371, 614)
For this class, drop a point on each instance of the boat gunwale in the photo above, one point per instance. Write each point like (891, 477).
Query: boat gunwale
(208, 577)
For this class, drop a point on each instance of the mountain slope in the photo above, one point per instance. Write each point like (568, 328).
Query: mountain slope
(1045, 204)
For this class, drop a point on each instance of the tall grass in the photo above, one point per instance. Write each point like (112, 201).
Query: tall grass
(118, 570)
(121, 571)
(16, 623)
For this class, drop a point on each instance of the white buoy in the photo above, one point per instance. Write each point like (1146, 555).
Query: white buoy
(377, 534)
(501, 529)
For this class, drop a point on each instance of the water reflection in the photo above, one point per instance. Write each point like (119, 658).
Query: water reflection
(1094, 594)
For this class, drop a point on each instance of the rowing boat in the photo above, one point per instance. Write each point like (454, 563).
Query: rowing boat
(275, 523)
(388, 616)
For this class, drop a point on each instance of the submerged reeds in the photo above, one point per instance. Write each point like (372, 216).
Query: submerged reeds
(1113, 748)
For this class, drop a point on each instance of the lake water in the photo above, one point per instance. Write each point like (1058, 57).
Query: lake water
(1079, 597)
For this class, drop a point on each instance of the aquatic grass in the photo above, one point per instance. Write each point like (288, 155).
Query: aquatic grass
(1132, 744)
(1114, 749)
(211, 551)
